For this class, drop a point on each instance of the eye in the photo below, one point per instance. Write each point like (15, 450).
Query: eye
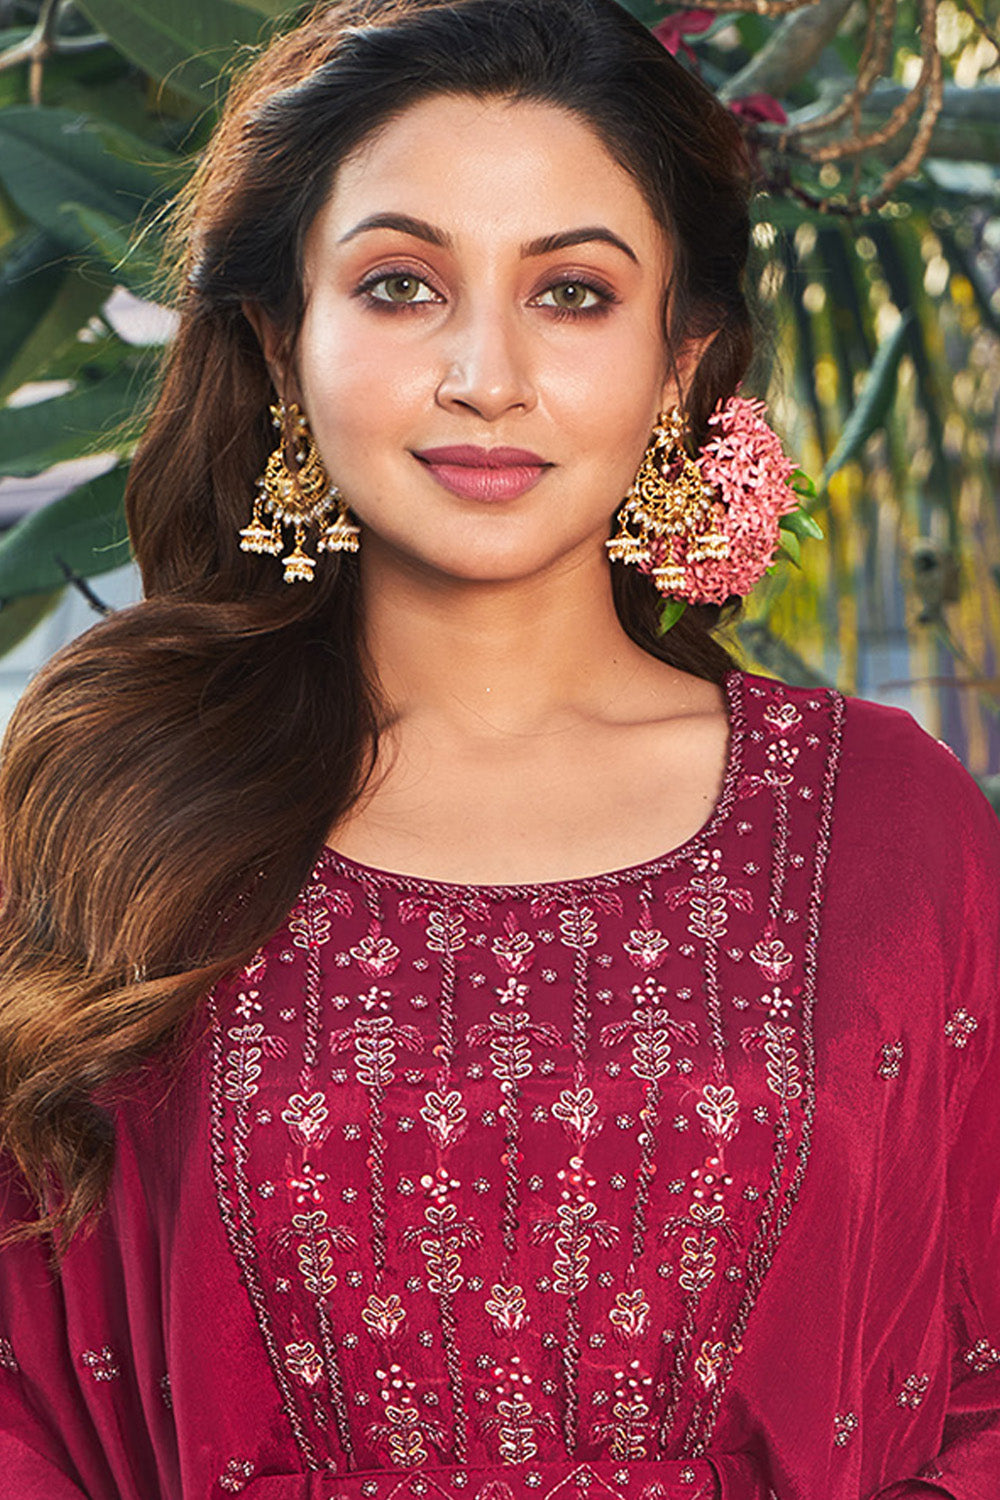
(574, 296)
(399, 287)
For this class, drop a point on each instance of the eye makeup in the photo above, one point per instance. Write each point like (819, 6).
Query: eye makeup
(586, 283)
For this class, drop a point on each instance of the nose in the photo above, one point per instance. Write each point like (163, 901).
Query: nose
(486, 365)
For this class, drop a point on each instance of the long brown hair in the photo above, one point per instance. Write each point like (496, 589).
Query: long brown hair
(168, 778)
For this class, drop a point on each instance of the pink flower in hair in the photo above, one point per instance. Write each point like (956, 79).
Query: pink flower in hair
(743, 463)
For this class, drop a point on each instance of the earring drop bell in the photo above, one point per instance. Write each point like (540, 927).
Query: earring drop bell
(298, 495)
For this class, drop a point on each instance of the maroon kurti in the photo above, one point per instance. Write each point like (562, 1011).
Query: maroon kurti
(680, 1181)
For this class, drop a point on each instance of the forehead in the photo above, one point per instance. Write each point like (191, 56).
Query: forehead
(500, 170)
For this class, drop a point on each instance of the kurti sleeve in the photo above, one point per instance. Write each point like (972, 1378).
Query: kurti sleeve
(967, 1466)
(49, 1446)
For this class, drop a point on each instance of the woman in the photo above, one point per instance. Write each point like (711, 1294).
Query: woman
(494, 1175)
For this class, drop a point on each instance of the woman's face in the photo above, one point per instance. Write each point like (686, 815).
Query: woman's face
(483, 276)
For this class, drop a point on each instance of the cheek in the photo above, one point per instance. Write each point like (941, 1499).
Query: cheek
(610, 379)
(356, 379)
(607, 413)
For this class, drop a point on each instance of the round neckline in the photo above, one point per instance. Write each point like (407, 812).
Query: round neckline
(733, 687)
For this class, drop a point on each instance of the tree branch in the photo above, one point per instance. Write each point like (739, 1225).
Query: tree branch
(83, 587)
(967, 128)
(42, 43)
(789, 53)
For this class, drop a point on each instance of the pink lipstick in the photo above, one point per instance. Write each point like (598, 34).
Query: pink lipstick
(484, 473)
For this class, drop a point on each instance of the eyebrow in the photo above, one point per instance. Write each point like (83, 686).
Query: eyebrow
(544, 245)
(549, 242)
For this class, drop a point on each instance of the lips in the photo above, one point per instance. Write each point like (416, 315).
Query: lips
(467, 457)
(484, 473)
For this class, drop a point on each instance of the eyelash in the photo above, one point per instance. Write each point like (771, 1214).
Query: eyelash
(380, 304)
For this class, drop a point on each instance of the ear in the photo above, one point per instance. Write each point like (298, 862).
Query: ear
(273, 347)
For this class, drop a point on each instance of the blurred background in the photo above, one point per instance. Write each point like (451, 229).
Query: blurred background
(875, 129)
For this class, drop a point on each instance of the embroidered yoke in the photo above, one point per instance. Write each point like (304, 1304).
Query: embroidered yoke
(630, 1186)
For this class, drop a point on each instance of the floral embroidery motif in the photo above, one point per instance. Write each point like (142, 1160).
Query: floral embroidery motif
(719, 1110)
(239, 1471)
(101, 1363)
(845, 1426)
(166, 1395)
(914, 1390)
(890, 1060)
(708, 1362)
(465, 1241)
(304, 1361)
(772, 958)
(507, 1308)
(982, 1356)
(959, 1027)
(375, 955)
(8, 1359)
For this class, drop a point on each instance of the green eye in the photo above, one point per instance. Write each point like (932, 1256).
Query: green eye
(572, 295)
(401, 287)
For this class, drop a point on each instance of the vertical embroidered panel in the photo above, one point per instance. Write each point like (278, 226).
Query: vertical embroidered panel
(504, 1168)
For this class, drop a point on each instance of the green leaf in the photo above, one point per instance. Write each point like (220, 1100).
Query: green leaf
(61, 305)
(53, 157)
(12, 221)
(133, 260)
(13, 81)
(803, 485)
(272, 9)
(92, 359)
(184, 42)
(791, 547)
(19, 617)
(31, 278)
(647, 11)
(800, 524)
(670, 614)
(873, 404)
(85, 530)
(32, 438)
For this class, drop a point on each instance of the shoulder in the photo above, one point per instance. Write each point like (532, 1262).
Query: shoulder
(900, 794)
(881, 752)
(912, 833)
(912, 785)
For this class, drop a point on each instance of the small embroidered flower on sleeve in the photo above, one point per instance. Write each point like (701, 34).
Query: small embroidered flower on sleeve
(166, 1395)
(914, 1390)
(845, 1425)
(959, 1027)
(101, 1363)
(890, 1059)
(8, 1359)
(238, 1472)
(982, 1356)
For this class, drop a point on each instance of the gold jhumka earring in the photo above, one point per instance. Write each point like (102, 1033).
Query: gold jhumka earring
(668, 501)
(299, 497)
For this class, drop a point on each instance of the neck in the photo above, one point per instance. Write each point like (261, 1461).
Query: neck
(497, 659)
